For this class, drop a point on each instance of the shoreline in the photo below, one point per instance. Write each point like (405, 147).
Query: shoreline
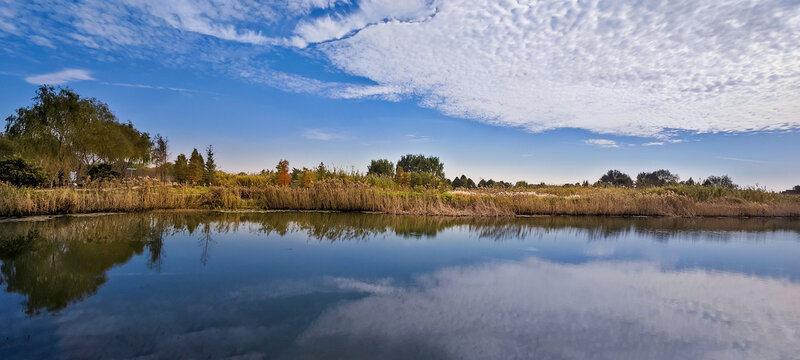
(36, 218)
(678, 202)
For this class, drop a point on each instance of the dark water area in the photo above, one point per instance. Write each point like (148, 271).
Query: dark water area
(365, 286)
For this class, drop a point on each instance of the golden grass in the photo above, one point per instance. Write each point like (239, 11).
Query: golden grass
(339, 195)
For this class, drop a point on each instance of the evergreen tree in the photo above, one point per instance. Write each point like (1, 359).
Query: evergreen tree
(159, 155)
(196, 167)
(210, 171)
(179, 170)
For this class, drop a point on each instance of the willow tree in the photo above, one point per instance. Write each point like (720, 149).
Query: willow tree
(62, 132)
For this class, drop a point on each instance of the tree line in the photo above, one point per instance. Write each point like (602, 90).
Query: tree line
(63, 137)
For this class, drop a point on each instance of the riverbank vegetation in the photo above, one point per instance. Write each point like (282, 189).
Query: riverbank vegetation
(66, 154)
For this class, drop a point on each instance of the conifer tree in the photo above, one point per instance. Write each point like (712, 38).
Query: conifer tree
(210, 171)
(179, 170)
(196, 167)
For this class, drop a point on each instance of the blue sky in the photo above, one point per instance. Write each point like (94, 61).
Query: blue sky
(553, 91)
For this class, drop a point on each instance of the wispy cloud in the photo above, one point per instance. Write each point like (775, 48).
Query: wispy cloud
(61, 77)
(322, 135)
(745, 160)
(654, 143)
(418, 138)
(603, 143)
(158, 87)
(606, 67)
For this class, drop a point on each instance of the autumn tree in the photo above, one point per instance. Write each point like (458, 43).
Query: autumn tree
(401, 177)
(283, 173)
(210, 170)
(194, 172)
(159, 155)
(307, 178)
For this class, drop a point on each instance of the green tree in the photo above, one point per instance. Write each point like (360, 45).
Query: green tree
(194, 172)
(210, 173)
(422, 164)
(656, 178)
(180, 169)
(63, 132)
(18, 172)
(720, 181)
(616, 178)
(160, 155)
(381, 167)
(103, 171)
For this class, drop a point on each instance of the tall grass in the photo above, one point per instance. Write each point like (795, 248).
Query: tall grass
(349, 195)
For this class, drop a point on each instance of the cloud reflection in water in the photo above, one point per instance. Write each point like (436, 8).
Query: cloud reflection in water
(539, 309)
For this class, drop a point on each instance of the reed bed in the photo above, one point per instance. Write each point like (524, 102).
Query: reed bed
(355, 196)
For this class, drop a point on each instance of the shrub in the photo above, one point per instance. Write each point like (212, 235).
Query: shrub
(18, 172)
(103, 172)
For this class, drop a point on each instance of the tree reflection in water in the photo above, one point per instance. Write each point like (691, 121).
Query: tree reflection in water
(62, 261)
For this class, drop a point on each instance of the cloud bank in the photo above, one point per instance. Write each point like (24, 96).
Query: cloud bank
(649, 69)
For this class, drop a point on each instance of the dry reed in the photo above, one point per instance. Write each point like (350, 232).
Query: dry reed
(355, 196)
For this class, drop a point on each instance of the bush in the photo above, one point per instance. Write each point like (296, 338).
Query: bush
(103, 172)
(18, 172)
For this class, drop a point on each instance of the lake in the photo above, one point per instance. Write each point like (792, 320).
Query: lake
(350, 286)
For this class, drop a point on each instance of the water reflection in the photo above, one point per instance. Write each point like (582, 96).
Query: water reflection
(345, 285)
(538, 309)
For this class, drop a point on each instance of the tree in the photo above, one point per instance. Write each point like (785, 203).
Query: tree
(422, 164)
(160, 154)
(307, 178)
(401, 177)
(180, 169)
(7, 149)
(210, 171)
(470, 184)
(656, 178)
(63, 132)
(283, 173)
(18, 172)
(194, 172)
(381, 167)
(689, 182)
(457, 183)
(102, 172)
(616, 178)
(720, 181)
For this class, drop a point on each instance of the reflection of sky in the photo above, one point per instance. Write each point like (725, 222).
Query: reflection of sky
(559, 293)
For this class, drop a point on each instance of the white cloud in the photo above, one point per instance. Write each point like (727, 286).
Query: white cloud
(643, 69)
(418, 138)
(369, 12)
(323, 135)
(745, 160)
(654, 143)
(61, 77)
(604, 143)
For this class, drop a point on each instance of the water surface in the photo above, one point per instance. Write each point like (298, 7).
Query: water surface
(332, 285)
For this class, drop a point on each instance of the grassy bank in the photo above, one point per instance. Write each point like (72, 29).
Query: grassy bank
(680, 201)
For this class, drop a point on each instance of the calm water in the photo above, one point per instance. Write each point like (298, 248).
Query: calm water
(348, 286)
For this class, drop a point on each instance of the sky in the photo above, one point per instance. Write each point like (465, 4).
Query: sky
(542, 91)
